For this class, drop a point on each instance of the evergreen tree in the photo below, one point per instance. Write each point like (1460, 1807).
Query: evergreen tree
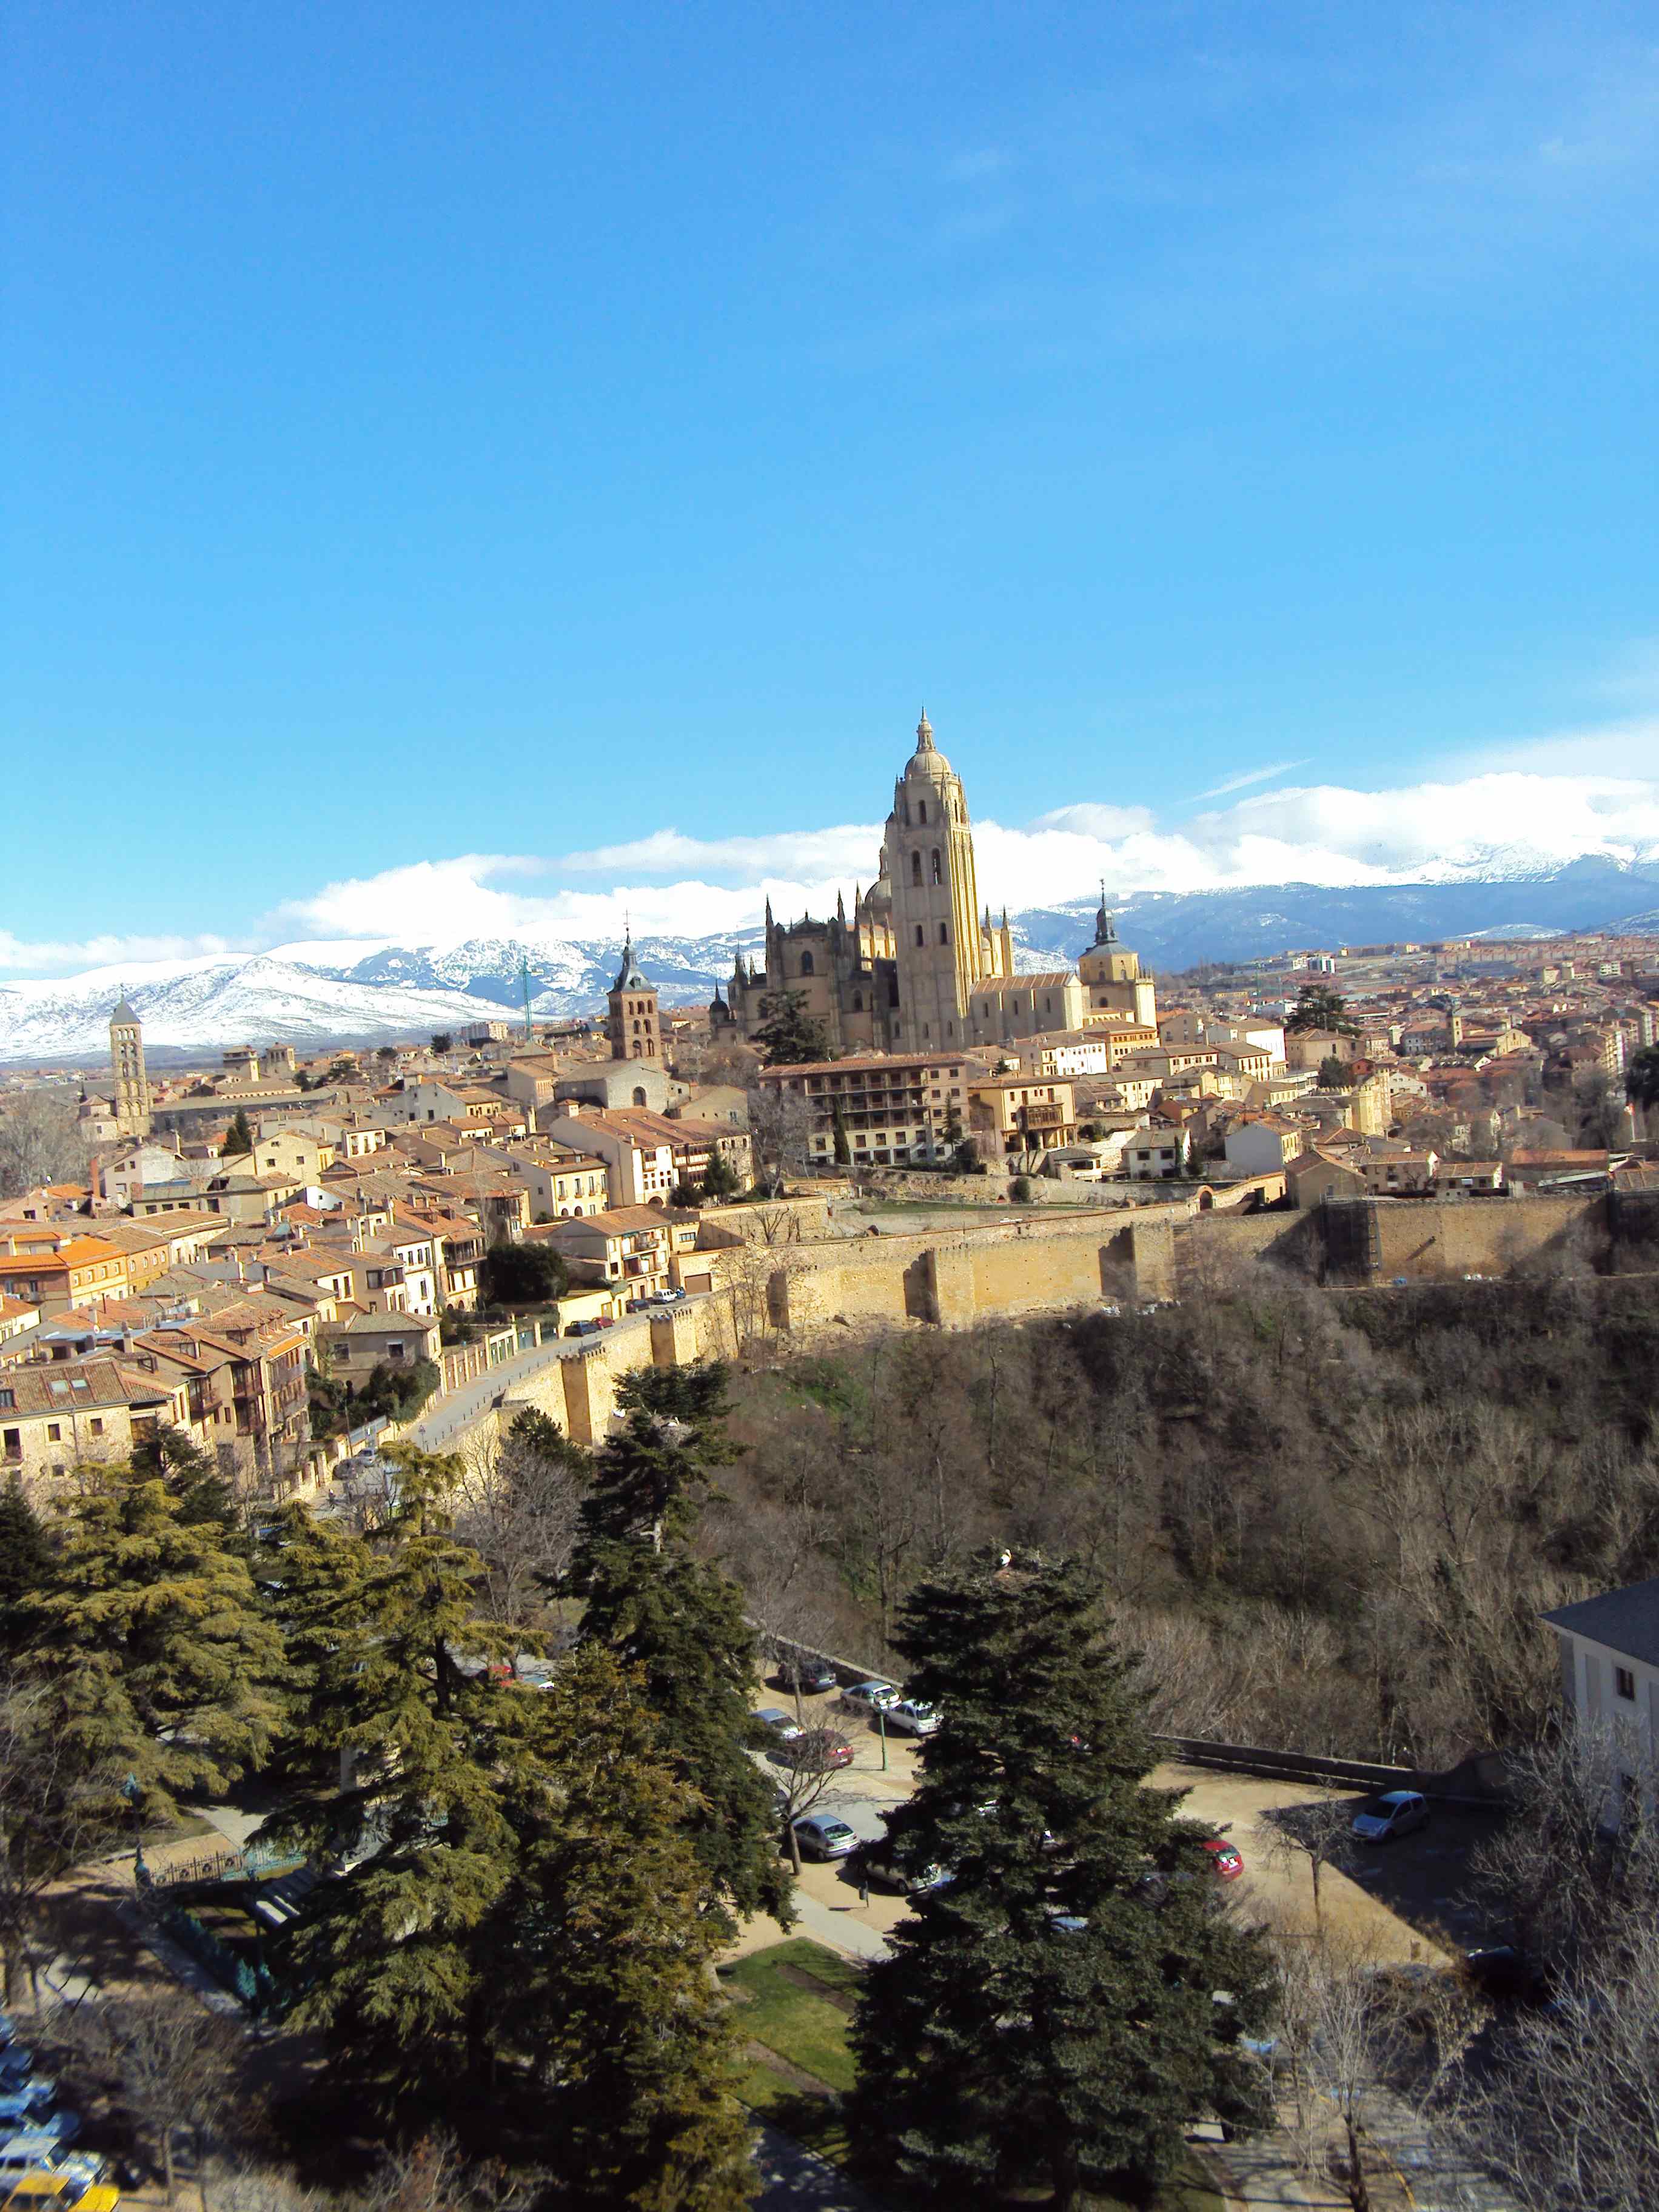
(192, 1476)
(388, 1957)
(1642, 1077)
(788, 1035)
(239, 1138)
(154, 1641)
(1319, 1007)
(1043, 2018)
(720, 1178)
(25, 1565)
(604, 1974)
(680, 1621)
(843, 1146)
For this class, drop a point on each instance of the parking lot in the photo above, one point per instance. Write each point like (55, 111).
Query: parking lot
(1409, 1900)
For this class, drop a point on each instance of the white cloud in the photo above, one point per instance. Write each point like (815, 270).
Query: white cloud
(1551, 802)
(1252, 775)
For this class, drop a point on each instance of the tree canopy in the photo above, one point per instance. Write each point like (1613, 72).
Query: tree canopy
(1048, 2015)
(787, 1034)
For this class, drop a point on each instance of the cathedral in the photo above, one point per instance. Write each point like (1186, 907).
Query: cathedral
(917, 966)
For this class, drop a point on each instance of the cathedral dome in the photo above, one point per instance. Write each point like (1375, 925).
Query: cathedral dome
(927, 760)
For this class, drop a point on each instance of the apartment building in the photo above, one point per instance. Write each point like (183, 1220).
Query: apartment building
(892, 1109)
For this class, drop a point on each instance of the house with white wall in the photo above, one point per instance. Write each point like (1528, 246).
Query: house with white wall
(1610, 1678)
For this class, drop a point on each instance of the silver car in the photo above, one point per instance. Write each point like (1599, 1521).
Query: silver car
(913, 1716)
(821, 1836)
(783, 1725)
(871, 1697)
(1394, 1814)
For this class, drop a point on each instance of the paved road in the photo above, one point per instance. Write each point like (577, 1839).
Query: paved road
(795, 2179)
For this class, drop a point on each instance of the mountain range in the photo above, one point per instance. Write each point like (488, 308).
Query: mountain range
(373, 993)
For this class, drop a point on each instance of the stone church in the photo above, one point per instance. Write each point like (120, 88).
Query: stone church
(918, 966)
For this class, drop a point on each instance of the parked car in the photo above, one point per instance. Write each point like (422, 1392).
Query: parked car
(673, 1295)
(22, 2106)
(783, 1725)
(1225, 1858)
(637, 1305)
(813, 1751)
(16, 2064)
(1394, 1814)
(1503, 1973)
(812, 1676)
(584, 1329)
(821, 1836)
(913, 1716)
(879, 1865)
(59, 2190)
(869, 1697)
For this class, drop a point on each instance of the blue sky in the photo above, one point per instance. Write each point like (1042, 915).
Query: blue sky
(476, 441)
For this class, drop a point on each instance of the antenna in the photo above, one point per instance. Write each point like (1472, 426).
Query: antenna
(523, 978)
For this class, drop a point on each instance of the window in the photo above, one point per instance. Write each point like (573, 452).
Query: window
(915, 868)
(97, 1426)
(54, 1429)
(8, 1400)
(14, 1443)
(921, 810)
(945, 932)
(858, 1002)
(919, 933)
(1623, 1683)
(938, 878)
(806, 964)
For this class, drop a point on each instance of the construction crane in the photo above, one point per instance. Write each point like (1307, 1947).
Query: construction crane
(523, 978)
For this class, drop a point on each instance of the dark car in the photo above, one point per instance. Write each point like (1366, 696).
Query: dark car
(811, 1676)
(584, 1329)
(1503, 1973)
(816, 1751)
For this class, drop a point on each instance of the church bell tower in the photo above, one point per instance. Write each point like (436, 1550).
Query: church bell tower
(928, 856)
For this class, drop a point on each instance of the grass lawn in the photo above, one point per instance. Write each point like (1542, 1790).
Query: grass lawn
(802, 2024)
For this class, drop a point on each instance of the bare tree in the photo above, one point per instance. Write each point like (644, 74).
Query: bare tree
(1317, 1833)
(171, 2063)
(517, 1502)
(781, 1130)
(40, 1142)
(51, 1818)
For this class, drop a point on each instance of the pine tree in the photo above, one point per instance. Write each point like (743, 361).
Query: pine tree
(26, 1565)
(680, 1621)
(152, 1637)
(193, 1477)
(239, 1138)
(1042, 2018)
(604, 1976)
(787, 1036)
(843, 1146)
(388, 1957)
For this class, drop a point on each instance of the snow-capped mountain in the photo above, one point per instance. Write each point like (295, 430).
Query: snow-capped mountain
(383, 991)
(204, 1004)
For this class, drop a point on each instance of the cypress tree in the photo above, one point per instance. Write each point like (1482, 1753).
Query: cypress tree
(604, 1974)
(153, 1641)
(239, 1137)
(679, 1620)
(26, 1565)
(1048, 2016)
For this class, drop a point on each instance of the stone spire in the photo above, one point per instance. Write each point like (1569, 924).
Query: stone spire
(1105, 933)
(924, 734)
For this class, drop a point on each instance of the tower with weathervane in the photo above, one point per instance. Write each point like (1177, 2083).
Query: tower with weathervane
(632, 1022)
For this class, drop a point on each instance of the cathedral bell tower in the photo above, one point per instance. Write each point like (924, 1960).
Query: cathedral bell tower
(928, 861)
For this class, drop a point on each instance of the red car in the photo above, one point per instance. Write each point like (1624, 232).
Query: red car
(1226, 1859)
